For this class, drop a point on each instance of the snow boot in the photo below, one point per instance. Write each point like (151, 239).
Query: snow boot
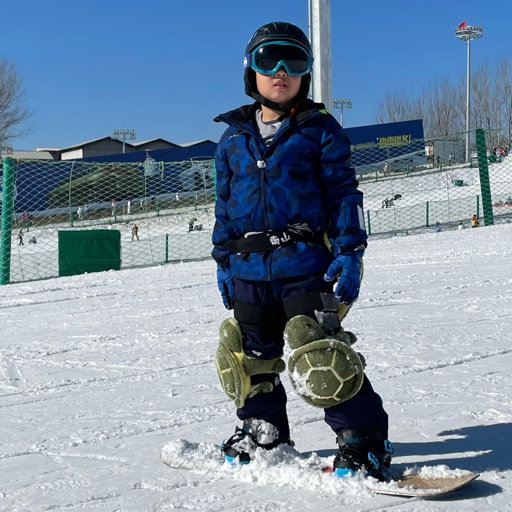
(253, 434)
(362, 449)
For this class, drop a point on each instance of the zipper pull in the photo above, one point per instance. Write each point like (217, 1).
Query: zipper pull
(261, 164)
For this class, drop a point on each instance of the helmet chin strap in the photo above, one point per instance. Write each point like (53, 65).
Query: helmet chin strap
(279, 107)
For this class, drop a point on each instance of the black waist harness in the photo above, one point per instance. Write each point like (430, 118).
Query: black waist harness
(260, 241)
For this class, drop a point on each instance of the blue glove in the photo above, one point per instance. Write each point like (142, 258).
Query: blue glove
(226, 286)
(349, 264)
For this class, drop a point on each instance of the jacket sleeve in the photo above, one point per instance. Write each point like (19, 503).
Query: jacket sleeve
(346, 231)
(223, 229)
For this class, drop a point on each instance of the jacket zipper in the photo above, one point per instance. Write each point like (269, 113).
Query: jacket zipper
(262, 164)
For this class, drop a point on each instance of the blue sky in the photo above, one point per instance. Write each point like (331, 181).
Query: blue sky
(167, 68)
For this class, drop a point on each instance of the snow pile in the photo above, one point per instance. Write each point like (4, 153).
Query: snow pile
(281, 467)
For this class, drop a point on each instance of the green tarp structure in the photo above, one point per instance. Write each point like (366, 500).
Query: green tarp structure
(94, 250)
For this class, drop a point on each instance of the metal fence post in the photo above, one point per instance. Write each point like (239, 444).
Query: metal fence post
(369, 224)
(7, 211)
(478, 206)
(483, 169)
(167, 248)
(69, 195)
(427, 215)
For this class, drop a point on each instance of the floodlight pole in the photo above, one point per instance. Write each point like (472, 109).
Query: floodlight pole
(123, 134)
(6, 149)
(340, 104)
(320, 13)
(466, 34)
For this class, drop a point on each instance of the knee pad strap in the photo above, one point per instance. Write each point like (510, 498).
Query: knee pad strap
(235, 368)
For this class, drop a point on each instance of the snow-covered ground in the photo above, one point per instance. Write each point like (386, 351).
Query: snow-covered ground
(99, 372)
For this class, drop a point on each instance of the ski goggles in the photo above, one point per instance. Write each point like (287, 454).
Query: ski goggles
(268, 58)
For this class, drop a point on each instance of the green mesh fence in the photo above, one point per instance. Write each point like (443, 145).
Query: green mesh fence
(409, 187)
(164, 211)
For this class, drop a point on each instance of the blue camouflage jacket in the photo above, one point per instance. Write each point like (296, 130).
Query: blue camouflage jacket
(304, 176)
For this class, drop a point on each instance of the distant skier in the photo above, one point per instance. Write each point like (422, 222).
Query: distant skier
(437, 228)
(20, 237)
(474, 221)
(461, 225)
(135, 232)
(191, 224)
(32, 240)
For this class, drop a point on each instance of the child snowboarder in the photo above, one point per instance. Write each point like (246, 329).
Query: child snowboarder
(474, 221)
(285, 187)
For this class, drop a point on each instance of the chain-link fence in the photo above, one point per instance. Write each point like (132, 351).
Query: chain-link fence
(165, 211)
(430, 185)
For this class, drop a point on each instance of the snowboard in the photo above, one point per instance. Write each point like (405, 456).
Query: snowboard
(286, 462)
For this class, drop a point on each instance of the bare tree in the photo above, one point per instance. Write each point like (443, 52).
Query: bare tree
(13, 111)
(505, 79)
(482, 100)
(442, 104)
(434, 104)
(441, 111)
(399, 106)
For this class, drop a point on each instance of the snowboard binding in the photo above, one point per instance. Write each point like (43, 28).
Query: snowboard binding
(362, 449)
(253, 434)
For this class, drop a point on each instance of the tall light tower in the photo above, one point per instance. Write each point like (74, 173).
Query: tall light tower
(340, 104)
(320, 37)
(466, 33)
(5, 149)
(124, 134)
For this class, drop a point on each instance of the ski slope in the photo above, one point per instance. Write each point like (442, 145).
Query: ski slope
(99, 372)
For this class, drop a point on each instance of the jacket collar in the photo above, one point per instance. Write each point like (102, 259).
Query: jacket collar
(243, 118)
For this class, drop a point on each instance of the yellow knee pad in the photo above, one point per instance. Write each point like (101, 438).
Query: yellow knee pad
(235, 367)
(324, 371)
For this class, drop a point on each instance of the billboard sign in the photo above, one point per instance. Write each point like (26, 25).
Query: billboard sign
(398, 144)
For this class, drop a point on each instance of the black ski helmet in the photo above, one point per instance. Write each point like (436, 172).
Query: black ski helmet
(277, 31)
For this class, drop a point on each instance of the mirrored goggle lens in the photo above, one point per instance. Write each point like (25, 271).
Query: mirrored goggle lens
(268, 57)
